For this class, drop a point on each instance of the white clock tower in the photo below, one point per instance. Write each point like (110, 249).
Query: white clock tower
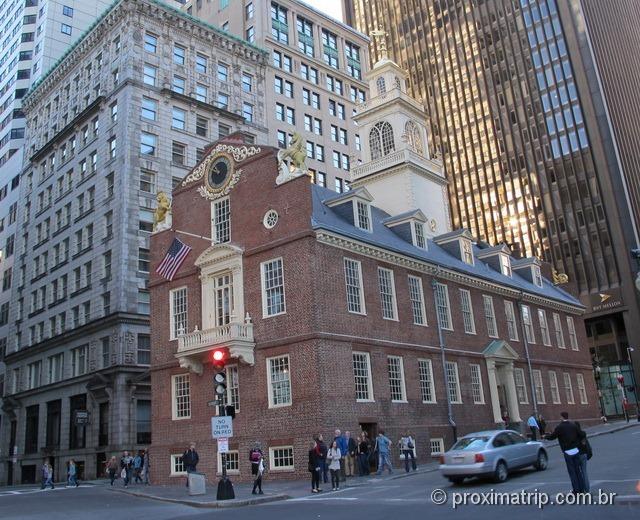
(398, 169)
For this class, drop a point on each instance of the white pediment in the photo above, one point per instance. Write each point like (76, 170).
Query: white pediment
(218, 253)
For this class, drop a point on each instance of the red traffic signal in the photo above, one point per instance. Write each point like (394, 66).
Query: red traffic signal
(219, 358)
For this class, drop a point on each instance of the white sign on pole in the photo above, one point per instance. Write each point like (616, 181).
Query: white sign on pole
(221, 427)
(223, 445)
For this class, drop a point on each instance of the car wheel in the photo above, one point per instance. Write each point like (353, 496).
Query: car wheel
(542, 462)
(456, 480)
(501, 473)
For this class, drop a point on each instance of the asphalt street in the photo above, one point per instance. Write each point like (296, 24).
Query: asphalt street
(613, 469)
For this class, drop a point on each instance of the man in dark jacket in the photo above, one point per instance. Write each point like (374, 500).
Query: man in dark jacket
(569, 437)
(324, 469)
(190, 460)
(350, 459)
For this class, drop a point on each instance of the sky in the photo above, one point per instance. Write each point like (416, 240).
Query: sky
(331, 7)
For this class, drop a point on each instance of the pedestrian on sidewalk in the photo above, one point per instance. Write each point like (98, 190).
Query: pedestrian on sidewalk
(190, 458)
(569, 437)
(543, 426)
(407, 445)
(363, 455)
(341, 440)
(383, 447)
(585, 455)
(126, 462)
(72, 474)
(324, 468)
(334, 456)
(112, 468)
(47, 475)
(314, 465)
(137, 468)
(257, 468)
(146, 467)
(533, 426)
(350, 458)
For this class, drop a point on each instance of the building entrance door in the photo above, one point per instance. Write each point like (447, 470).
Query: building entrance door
(371, 430)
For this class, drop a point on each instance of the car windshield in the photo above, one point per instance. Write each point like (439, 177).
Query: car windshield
(471, 443)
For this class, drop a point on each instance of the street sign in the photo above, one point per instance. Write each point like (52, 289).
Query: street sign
(82, 417)
(221, 426)
(223, 445)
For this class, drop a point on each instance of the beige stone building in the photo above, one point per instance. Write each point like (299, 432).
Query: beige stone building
(317, 73)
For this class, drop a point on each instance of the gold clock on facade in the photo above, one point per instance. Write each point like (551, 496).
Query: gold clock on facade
(219, 173)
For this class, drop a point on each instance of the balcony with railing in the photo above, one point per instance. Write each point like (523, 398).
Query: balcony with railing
(402, 156)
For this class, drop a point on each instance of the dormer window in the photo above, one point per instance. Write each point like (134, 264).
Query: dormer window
(537, 277)
(505, 265)
(362, 217)
(467, 251)
(418, 235)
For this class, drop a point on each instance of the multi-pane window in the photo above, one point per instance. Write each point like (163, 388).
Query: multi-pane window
(279, 24)
(279, 378)
(79, 360)
(427, 384)
(178, 54)
(305, 36)
(476, 384)
(178, 153)
(436, 447)
(362, 376)
(281, 458)
(178, 85)
(148, 144)
(221, 225)
(247, 82)
(505, 265)
(150, 74)
(330, 48)
(56, 368)
(232, 397)
(353, 280)
(223, 72)
(181, 399)
(34, 373)
(363, 220)
(178, 312)
(150, 42)
(453, 383)
(521, 387)
(144, 349)
(387, 294)
(201, 63)
(273, 299)
(247, 112)
(538, 386)
(568, 388)
(418, 234)
(441, 293)
(396, 378)
(510, 315)
(352, 53)
(177, 466)
(467, 251)
(553, 385)
(582, 391)
(573, 338)
(178, 118)
(149, 109)
(467, 311)
(416, 296)
(544, 327)
(528, 324)
(232, 460)
(557, 325)
(490, 316)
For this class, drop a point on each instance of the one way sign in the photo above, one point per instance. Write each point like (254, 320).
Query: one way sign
(221, 427)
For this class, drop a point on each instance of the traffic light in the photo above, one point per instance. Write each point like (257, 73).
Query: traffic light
(219, 358)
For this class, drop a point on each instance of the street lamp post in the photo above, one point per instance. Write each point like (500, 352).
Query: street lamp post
(633, 381)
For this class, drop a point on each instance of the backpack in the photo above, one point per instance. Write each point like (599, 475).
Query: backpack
(255, 456)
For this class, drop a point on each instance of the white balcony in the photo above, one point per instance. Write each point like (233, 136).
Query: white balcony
(193, 347)
(399, 157)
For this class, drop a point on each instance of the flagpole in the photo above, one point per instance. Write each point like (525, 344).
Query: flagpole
(208, 239)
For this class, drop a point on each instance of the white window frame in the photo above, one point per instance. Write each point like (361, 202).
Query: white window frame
(528, 325)
(229, 471)
(272, 404)
(456, 399)
(172, 321)
(582, 389)
(573, 337)
(466, 251)
(466, 306)
(523, 386)
(490, 316)
(265, 308)
(425, 368)
(557, 325)
(505, 265)
(215, 224)
(227, 399)
(400, 368)
(272, 459)
(416, 297)
(390, 280)
(357, 204)
(537, 276)
(544, 327)
(361, 302)
(568, 388)
(174, 463)
(512, 324)
(555, 389)
(476, 386)
(418, 235)
(439, 442)
(367, 358)
(174, 402)
(441, 288)
(538, 386)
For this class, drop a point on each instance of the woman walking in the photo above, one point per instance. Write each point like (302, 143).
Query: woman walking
(72, 474)
(112, 468)
(257, 467)
(334, 455)
(315, 456)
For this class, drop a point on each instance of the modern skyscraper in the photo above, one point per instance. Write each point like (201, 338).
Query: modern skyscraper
(526, 143)
(316, 77)
(124, 115)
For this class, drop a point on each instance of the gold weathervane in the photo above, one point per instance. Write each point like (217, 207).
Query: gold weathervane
(559, 278)
(380, 36)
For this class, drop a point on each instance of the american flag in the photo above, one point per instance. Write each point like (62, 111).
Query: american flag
(173, 259)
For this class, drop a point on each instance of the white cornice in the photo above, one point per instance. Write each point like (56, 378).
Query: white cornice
(355, 246)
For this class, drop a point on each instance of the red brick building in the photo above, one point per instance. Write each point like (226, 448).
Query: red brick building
(331, 307)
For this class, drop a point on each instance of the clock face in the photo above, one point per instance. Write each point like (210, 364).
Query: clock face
(219, 173)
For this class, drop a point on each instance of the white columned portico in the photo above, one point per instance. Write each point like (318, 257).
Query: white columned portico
(512, 396)
(493, 390)
(499, 357)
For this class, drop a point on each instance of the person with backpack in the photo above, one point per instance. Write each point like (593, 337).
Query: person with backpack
(334, 455)
(407, 445)
(126, 462)
(314, 465)
(570, 437)
(257, 468)
(137, 468)
(383, 447)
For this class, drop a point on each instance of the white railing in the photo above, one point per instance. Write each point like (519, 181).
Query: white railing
(397, 157)
(199, 339)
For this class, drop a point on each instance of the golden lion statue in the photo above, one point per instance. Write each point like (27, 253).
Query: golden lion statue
(559, 278)
(296, 154)
(163, 209)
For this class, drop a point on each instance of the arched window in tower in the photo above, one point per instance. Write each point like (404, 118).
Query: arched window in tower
(412, 134)
(397, 83)
(381, 86)
(381, 140)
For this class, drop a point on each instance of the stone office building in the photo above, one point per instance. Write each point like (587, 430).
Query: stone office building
(330, 306)
(123, 115)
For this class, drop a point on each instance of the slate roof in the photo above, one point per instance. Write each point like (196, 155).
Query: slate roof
(323, 217)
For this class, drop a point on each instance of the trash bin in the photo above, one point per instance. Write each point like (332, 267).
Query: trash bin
(197, 483)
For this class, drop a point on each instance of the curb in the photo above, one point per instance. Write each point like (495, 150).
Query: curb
(209, 505)
(598, 434)
(626, 500)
